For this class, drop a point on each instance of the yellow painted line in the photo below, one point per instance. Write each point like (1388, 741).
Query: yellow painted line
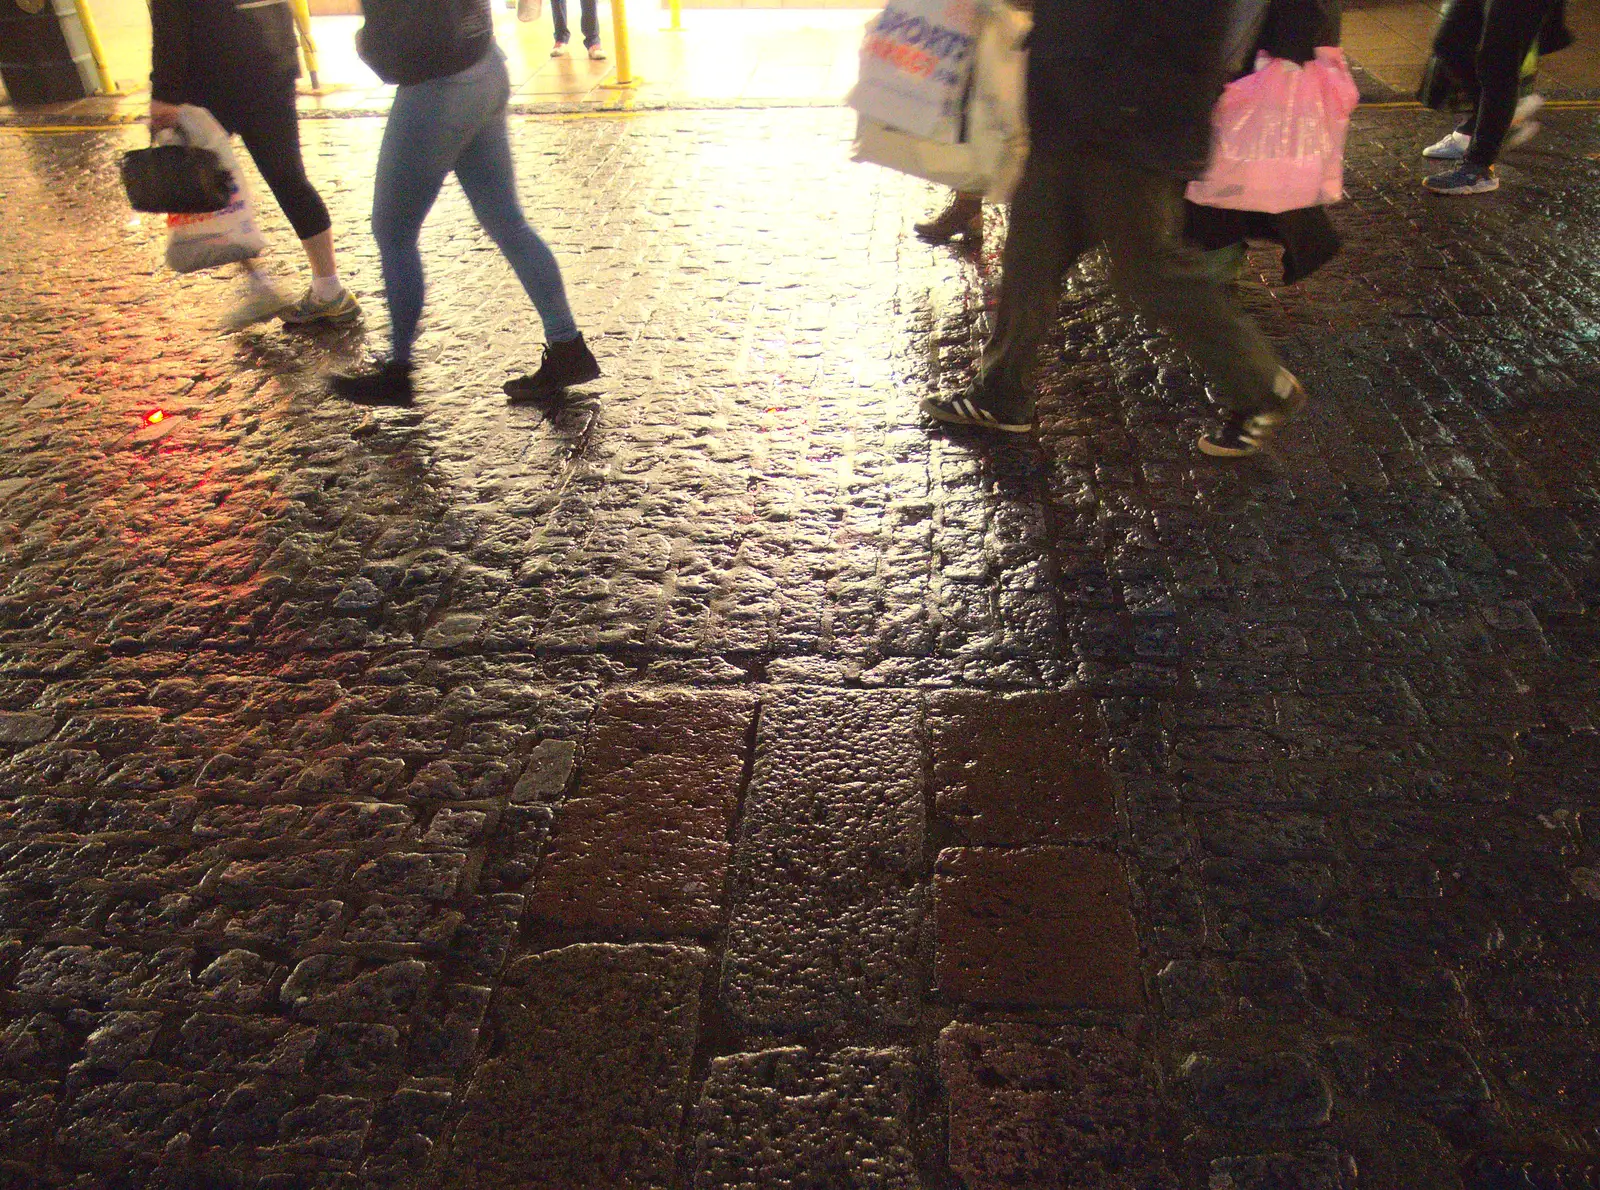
(1566, 105)
(59, 129)
(1569, 105)
(606, 114)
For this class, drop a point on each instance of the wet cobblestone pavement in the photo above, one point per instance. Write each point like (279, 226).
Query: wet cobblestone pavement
(728, 781)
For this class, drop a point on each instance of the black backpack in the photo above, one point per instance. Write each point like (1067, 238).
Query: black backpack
(413, 41)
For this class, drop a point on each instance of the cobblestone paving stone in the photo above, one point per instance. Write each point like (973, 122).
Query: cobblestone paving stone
(333, 746)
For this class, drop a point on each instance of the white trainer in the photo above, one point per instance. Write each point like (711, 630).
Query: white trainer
(1452, 147)
(1521, 134)
(260, 302)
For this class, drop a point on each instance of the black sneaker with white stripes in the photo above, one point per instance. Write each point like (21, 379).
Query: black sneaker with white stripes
(973, 407)
(1244, 434)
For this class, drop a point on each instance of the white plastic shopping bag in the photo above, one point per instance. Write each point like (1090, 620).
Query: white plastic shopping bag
(997, 108)
(954, 166)
(989, 158)
(1278, 135)
(216, 237)
(916, 64)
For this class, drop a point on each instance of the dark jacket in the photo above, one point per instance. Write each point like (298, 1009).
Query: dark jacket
(220, 51)
(413, 41)
(1293, 29)
(1135, 78)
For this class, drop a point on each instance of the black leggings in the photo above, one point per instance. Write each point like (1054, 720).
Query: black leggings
(269, 125)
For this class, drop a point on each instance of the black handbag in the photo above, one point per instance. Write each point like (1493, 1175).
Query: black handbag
(175, 180)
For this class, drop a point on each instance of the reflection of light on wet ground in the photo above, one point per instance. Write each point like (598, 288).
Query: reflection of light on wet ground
(721, 56)
(273, 609)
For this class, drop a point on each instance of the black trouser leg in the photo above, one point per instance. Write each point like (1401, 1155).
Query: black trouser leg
(270, 129)
(1138, 215)
(1509, 30)
(1046, 235)
(1069, 200)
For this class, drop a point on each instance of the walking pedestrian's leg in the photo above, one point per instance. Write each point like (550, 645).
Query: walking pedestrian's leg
(420, 144)
(1044, 238)
(589, 22)
(261, 298)
(410, 172)
(488, 177)
(1510, 29)
(1139, 216)
(271, 131)
(558, 17)
(1455, 44)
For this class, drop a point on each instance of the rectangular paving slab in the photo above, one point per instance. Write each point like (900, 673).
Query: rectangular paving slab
(1051, 1107)
(642, 850)
(825, 897)
(786, 1117)
(589, 1084)
(1046, 927)
(1026, 768)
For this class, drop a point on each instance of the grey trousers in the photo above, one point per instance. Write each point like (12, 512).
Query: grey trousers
(1068, 202)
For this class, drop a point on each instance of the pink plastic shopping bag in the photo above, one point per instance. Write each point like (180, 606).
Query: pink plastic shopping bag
(1277, 136)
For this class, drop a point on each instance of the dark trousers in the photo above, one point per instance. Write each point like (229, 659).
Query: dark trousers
(269, 125)
(1070, 200)
(1485, 42)
(588, 21)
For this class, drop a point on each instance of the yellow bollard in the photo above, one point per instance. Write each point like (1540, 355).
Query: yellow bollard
(619, 42)
(675, 8)
(302, 24)
(108, 85)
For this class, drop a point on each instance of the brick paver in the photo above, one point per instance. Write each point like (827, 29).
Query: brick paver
(642, 847)
(296, 702)
(1053, 1107)
(1036, 927)
(1023, 769)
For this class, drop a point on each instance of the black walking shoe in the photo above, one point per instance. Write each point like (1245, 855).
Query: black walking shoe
(565, 365)
(387, 384)
(971, 407)
(963, 217)
(1244, 434)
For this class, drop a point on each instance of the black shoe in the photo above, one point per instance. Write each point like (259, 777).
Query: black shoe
(564, 365)
(963, 217)
(387, 384)
(973, 407)
(1244, 434)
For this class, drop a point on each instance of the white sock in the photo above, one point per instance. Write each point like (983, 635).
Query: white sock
(258, 280)
(325, 289)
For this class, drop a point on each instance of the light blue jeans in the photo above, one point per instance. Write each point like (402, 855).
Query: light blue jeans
(457, 123)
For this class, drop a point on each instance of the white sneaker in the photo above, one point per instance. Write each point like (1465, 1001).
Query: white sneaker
(1521, 134)
(1452, 147)
(259, 303)
(1523, 129)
